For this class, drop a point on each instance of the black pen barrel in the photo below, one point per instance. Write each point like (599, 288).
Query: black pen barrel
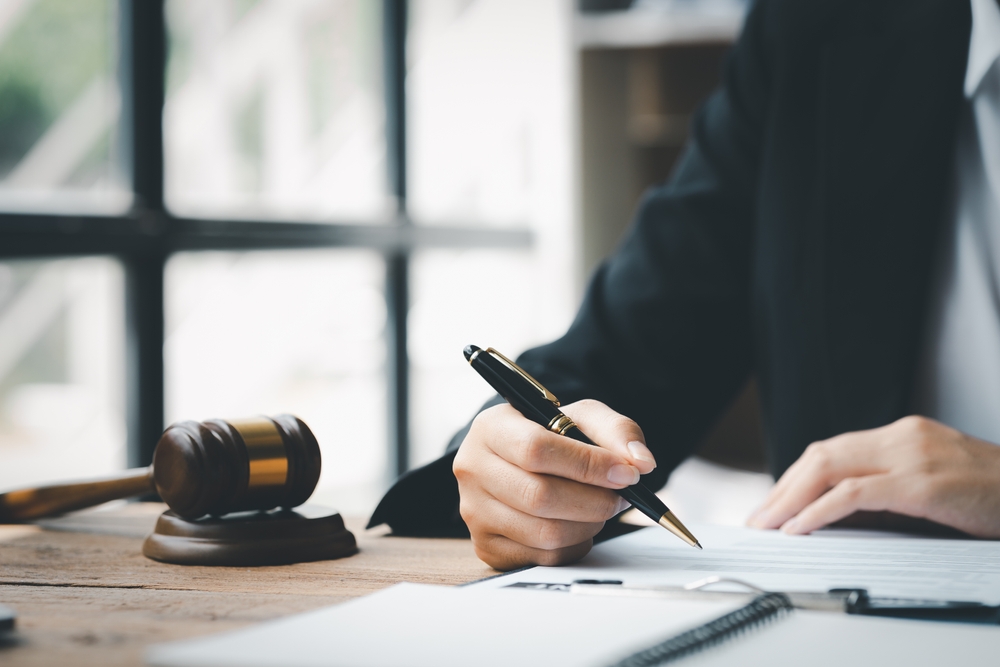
(638, 494)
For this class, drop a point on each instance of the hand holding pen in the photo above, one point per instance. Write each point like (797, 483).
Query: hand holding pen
(532, 496)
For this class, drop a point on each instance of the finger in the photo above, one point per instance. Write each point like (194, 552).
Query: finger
(535, 449)
(821, 467)
(872, 493)
(503, 553)
(548, 496)
(612, 431)
(535, 532)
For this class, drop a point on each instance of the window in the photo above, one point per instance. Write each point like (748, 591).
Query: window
(216, 205)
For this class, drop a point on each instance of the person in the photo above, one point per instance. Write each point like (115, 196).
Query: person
(833, 229)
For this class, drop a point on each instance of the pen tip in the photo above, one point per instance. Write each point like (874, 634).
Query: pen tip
(698, 544)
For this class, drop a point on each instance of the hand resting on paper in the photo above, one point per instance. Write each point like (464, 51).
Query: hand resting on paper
(915, 467)
(532, 497)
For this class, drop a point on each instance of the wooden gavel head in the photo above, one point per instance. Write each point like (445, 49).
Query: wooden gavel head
(217, 467)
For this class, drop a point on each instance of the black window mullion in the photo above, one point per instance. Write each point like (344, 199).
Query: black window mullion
(397, 263)
(143, 61)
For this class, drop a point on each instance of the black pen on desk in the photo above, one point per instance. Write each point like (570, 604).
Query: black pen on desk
(535, 402)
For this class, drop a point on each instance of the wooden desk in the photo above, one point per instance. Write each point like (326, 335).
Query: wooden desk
(85, 594)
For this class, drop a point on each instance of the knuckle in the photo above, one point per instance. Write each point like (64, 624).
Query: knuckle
(488, 556)
(482, 553)
(468, 516)
(919, 439)
(460, 467)
(481, 422)
(534, 450)
(590, 465)
(623, 424)
(915, 425)
(819, 455)
(814, 448)
(536, 496)
(550, 535)
(851, 488)
(610, 505)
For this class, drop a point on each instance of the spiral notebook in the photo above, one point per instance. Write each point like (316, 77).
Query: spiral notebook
(435, 626)
(757, 612)
(414, 625)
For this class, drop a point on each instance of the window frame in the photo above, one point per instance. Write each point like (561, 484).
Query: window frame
(144, 237)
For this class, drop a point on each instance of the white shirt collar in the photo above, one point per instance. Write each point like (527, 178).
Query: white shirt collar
(984, 46)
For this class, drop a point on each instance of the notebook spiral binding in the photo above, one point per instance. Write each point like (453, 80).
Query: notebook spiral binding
(760, 610)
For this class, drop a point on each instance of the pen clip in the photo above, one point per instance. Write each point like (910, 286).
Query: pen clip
(549, 396)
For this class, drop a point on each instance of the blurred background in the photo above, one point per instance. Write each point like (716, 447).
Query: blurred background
(231, 207)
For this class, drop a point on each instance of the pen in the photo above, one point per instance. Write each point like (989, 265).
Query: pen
(855, 601)
(531, 399)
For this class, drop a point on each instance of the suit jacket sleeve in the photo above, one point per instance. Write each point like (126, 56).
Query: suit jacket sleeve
(664, 332)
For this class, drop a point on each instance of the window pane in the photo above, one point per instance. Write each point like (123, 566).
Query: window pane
(489, 101)
(274, 108)
(59, 106)
(489, 298)
(297, 332)
(490, 89)
(61, 370)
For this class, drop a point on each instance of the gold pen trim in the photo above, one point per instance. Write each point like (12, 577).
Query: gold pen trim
(523, 373)
(674, 525)
(560, 424)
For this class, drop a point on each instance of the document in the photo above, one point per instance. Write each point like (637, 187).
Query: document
(886, 564)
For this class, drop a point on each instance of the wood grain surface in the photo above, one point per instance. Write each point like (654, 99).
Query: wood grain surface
(85, 595)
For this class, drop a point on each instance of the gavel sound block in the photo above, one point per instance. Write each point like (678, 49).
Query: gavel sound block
(222, 481)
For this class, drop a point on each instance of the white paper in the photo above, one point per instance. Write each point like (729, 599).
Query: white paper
(886, 564)
(413, 625)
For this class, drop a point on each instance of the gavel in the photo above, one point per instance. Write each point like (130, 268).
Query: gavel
(213, 467)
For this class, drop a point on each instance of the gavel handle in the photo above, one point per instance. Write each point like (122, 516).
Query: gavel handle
(27, 504)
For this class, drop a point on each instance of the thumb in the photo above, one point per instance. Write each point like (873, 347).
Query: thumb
(612, 431)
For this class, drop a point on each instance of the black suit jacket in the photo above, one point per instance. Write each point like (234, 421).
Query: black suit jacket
(794, 241)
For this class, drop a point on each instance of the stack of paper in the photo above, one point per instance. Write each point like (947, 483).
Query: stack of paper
(886, 564)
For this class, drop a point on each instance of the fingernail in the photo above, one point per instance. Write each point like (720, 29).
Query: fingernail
(622, 474)
(791, 527)
(640, 452)
(758, 519)
(623, 505)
